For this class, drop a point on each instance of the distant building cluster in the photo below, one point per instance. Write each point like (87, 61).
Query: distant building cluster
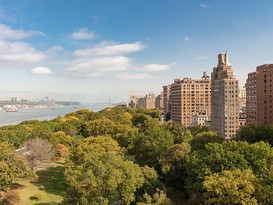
(149, 101)
(46, 100)
(216, 101)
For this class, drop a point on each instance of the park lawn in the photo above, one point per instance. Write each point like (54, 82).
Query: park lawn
(49, 184)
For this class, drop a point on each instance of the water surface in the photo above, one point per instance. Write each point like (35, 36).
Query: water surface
(44, 113)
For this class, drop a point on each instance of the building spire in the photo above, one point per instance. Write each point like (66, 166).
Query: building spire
(226, 58)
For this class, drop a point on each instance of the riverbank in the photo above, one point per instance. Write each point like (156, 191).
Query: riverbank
(42, 113)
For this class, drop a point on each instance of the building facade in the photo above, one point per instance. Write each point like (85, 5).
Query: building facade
(224, 99)
(242, 100)
(259, 92)
(159, 101)
(147, 102)
(189, 97)
(133, 99)
(200, 119)
(166, 102)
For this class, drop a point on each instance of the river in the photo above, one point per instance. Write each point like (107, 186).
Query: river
(43, 113)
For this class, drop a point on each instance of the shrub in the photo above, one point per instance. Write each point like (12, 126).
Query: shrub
(36, 196)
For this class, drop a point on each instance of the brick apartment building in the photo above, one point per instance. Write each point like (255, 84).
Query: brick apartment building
(187, 97)
(259, 92)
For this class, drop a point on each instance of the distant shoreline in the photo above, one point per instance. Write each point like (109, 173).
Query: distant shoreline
(41, 114)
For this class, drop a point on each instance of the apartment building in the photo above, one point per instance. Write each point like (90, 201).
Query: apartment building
(189, 97)
(166, 102)
(159, 101)
(224, 99)
(259, 92)
(147, 102)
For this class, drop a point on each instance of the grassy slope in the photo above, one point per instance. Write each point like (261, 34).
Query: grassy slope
(50, 184)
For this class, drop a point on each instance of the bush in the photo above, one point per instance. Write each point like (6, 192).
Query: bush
(36, 196)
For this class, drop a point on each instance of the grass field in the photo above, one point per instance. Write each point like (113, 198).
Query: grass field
(49, 185)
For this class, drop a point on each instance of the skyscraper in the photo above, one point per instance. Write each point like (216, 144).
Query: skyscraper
(259, 92)
(224, 99)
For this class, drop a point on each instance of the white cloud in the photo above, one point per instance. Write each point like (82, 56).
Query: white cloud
(82, 34)
(41, 71)
(84, 67)
(157, 67)
(135, 76)
(7, 33)
(204, 6)
(19, 53)
(112, 49)
(103, 58)
(186, 38)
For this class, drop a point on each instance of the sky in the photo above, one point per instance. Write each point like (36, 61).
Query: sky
(96, 50)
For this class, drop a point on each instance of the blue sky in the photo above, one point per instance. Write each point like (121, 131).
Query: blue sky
(96, 50)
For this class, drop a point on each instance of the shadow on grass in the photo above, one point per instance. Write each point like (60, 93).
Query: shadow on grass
(17, 186)
(52, 181)
(59, 162)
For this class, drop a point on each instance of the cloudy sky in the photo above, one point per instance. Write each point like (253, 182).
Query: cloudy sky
(96, 50)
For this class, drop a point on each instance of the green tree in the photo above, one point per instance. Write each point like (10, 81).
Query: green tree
(71, 125)
(198, 129)
(12, 166)
(175, 153)
(173, 164)
(159, 198)
(176, 129)
(84, 115)
(187, 136)
(253, 133)
(263, 189)
(200, 140)
(61, 138)
(104, 127)
(151, 183)
(215, 158)
(98, 173)
(230, 187)
(150, 144)
(6, 176)
(117, 114)
(139, 119)
(13, 134)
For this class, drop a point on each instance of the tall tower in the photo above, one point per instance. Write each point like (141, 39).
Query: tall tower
(224, 99)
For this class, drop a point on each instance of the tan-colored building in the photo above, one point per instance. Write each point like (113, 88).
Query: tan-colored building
(147, 102)
(242, 119)
(200, 119)
(189, 97)
(242, 92)
(166, 101)
(159, 101)
(242, 99)
(224, 99)
(133, 99)
(259, 92)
